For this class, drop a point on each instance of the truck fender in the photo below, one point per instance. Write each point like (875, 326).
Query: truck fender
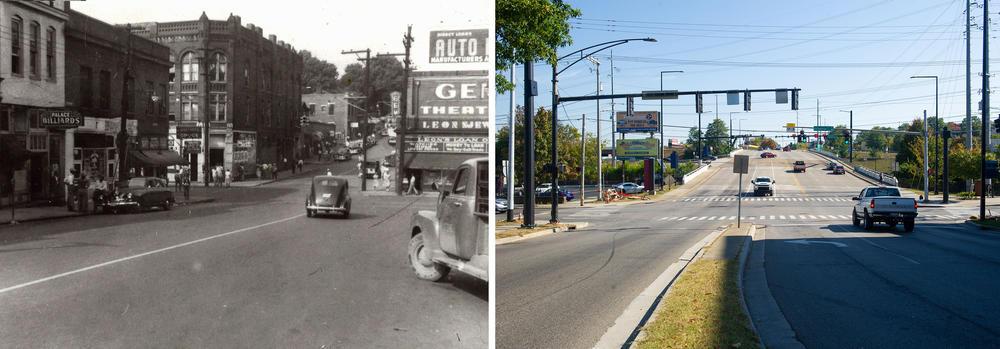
(426, 222)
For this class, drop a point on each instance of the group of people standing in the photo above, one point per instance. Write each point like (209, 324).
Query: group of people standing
(81, 189)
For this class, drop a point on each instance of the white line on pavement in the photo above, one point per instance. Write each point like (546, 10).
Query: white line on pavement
(123, 259)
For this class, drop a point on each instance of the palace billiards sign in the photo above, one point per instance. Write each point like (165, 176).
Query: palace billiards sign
(61, 119)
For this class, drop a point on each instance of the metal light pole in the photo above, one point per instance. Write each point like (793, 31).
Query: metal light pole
(937, 121)
(926, 185)
(600, 196)
(555, 111)
(510, 155)
(663, 170)
(529, 147)
(583, 156)
(986, 109)
(731, 130)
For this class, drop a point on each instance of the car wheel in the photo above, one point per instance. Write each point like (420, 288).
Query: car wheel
(168, 205)
(854, 218)
(309, 213)
(908, 225)
(868, 221)
(347, 212)
(420, 260)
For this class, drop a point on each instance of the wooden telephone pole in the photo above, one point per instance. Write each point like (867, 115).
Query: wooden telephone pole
(401, 124)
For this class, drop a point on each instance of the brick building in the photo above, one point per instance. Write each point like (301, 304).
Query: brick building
(245, 85)
(97, 56)
(31, 84)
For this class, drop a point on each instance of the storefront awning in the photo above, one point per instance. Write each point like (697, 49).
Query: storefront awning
(158, 157)
(436, 161)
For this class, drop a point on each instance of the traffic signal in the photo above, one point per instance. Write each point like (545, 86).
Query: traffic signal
(795, 99)
(303, 120)
(746, 101)
(698, 108)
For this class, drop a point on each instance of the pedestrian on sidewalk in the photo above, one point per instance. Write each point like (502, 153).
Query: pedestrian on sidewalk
(71, 187)
(413, 185)
(274, 172)
(81, 194)
(229, 178)
(300, 165)
(186, 178)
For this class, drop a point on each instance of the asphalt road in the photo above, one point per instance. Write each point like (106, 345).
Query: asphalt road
(567, 289)
(842, 287)
(247, 271)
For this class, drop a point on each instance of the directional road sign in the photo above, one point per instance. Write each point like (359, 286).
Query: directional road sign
(822, 128)
(664, 94)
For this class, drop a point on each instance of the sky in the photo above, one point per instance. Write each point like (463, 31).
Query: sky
(325, 28)
(847, 55)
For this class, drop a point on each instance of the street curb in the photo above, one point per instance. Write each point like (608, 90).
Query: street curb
(778, 333)
(192, 202)
(569, 226)
(980, 226)
(627, 328)
(67, 215)
(744, 254)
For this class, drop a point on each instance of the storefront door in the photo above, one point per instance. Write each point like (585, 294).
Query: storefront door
(193, 160)
(37, 175)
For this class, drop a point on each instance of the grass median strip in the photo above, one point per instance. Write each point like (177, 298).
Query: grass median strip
(702, 310)
(521, 231)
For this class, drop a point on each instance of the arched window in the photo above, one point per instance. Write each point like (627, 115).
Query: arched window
(189, 67)
(217, 69)
(15, 45)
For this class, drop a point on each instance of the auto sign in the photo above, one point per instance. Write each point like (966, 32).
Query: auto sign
(61, 119)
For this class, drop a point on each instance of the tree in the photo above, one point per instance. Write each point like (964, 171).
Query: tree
(718, 145)
(318, 75)
(691, 145)
(529, 30)
(907, 153)
(768, 143)
(568, 147)
(387, 76)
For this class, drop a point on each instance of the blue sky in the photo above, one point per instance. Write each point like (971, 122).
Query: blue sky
(848, 55)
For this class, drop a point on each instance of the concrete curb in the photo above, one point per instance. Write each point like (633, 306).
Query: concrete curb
(642, 309)
(569, 226)
(770, 324)
(192, 202)
(981, 226)
(744, 253)
(70, 215)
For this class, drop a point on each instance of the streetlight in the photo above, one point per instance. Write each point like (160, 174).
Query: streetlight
(555, 114)
(663, 171)
(731, 131)
(937, 121)
(600, 175)
(850, 138)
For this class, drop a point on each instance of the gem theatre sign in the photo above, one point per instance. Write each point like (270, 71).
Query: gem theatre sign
(460, 104)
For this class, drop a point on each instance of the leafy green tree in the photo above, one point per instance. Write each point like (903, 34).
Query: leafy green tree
(318, 75)
(387, 76)
(715, 130)
(529, 30)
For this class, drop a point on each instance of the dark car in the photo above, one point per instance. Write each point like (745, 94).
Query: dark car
(328, 194)
(831, 165)
(141, 193)
(838, 170)
(786, 149)
(342, 155)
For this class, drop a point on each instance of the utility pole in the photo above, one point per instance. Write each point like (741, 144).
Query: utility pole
(614, 146)
(583, 155)
(529, 147)
(510, 154)
(926, 184)
(968, 82)
(986, 109)
(368, 107)
(123, 132)
(554, 215)
(598, 104)
(850, 140)
(401, 124)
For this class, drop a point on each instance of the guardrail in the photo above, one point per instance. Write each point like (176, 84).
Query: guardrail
(867, 172)
(698, 171)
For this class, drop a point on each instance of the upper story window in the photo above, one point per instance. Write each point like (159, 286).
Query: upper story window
(217, 68)
(189, 67)
(86, 87)
(173, 66)
(33, 49)
(50, 53)
(15, 45)
(105, 89)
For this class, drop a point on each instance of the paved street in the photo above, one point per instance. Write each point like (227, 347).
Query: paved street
(248, 270)
(567, 289)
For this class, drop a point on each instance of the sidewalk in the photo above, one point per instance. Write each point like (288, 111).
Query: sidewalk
(956, 201)
(40, 213)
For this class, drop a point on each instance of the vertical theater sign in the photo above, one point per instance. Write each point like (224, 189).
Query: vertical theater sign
(447, 119)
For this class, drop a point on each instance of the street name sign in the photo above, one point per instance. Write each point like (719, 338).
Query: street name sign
(664, 94)
(822, 128)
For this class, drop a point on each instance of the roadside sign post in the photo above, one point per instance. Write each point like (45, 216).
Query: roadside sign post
(741, 165)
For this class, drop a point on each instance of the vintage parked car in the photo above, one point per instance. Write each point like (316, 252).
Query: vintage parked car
(456, 235)
(141, 193)
(329, 194)
(342, 155)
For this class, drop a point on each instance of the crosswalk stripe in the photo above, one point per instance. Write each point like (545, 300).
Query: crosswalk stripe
(762, 217)
(781, 217)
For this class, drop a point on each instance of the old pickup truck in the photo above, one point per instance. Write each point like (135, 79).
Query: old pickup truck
(455, 236)
(884, 204)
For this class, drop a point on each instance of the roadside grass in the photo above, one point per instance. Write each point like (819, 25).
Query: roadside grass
(989, 222)
(503, 222)
(702, 310)
(521, 232)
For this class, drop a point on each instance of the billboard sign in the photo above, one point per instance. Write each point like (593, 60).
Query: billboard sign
(639, 122)
(394, 97)
(187, 132)
(446, 144)
(458, 104)
(637, 148)
(61, 119)
(459, 46)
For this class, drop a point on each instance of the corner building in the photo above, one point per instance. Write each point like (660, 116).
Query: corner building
(246, 86)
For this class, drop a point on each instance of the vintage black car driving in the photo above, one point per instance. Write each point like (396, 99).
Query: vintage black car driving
(328, 194)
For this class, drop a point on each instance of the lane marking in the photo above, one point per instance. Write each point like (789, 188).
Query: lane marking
(908, 259)
(797, 182)
(123, 259)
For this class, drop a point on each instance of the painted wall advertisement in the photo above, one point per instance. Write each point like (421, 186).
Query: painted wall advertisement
(638, 122)
(244, 147)
(459, 46)
(447, 144)
(637, 148)
(461, 104)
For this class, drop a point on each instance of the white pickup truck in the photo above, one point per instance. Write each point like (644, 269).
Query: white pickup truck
(884, 204)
